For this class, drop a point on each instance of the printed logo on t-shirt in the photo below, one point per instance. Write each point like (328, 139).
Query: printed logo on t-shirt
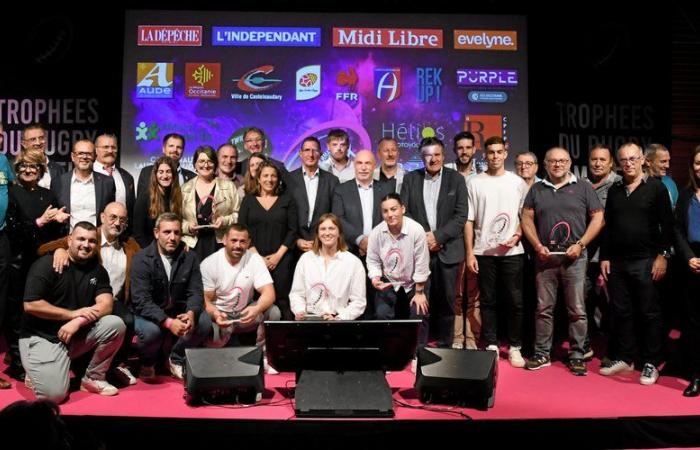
(393, 264)
(316, 296)
(93, 281)
(497, 230)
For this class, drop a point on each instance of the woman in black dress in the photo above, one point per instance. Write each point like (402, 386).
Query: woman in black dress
(688, 247)
(163, 195)
(33, 218)
(271, 217)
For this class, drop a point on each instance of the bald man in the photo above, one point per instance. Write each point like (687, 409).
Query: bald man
(357, 203)
(115, 252)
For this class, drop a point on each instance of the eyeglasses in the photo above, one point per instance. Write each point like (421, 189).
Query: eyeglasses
(555, 162)
(524, 164)
(630, 160)
(205, 162)
(122, 220)
(24, 166)
(84, 155)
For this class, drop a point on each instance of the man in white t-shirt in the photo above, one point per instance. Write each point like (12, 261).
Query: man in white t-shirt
(494, 251)
(230, 277)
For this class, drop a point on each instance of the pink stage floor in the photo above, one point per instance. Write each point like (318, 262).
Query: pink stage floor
(549, 393)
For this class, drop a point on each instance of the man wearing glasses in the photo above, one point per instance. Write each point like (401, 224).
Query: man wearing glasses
(254, 141)
(560, 217)
(83, 192)
(526, 167)
(106, 163)
(115, 251)
(34, 136)
(633, 258)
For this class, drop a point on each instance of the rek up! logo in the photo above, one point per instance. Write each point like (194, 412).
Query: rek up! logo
(154, 80)
(387, 84)
(428, 84)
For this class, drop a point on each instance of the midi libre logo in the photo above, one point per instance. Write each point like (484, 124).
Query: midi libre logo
(387, 38)
(154, 80)
(170, 35)
(203, 80)
(486, 40)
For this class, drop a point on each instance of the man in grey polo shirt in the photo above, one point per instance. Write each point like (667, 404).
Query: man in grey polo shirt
(561, 216)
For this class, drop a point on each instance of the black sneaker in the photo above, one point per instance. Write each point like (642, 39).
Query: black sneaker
(538, 362)
(577, 366)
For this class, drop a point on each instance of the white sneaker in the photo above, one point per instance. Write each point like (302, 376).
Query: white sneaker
(493, 348)
(649, 374)
(268, 368)
(124, 375)
(175, 370)
(97, 387)
(458, 346)
(28, 382)
(414, 365)
(515, 358)
(616, 367)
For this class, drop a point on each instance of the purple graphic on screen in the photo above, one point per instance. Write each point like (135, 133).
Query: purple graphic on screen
(487, 77)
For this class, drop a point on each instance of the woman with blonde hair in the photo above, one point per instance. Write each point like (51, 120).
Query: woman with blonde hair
(329, 281)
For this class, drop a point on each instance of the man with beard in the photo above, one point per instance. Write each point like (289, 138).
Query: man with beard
(66, 315)
(115, 252)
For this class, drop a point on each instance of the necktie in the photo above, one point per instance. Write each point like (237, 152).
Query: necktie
(109, 170)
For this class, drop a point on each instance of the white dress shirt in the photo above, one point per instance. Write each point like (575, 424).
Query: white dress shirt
(114, 262)
(119, 184)
(367, 202)
(431, 192)
(82, 201)
(345, 173)
(311, 184)
(404, 260)
(337, 287)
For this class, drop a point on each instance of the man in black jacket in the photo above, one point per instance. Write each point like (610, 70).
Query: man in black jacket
(436, 198)
(166, 298)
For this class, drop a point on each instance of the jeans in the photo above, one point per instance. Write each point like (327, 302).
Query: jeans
(572, 275)
(151, 337)
(386, 304)
(506, 273)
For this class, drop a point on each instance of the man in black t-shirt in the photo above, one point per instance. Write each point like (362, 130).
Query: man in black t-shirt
(66, 315)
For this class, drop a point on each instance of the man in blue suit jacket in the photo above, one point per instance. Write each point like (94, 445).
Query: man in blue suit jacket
(436, 197)
(82, 191)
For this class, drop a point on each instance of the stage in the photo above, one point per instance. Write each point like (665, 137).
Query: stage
(591, 411)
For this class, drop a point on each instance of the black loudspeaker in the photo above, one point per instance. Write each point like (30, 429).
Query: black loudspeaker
(224, 375)
(457, 377)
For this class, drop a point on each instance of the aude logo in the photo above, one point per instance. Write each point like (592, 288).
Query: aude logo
(487, 77)
(308, 82)
(266, 37)
(154, 80)
(486, 40)
(387, 84)
(428, 84)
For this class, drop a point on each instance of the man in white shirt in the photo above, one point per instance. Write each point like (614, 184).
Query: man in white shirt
(106, 149)
(83, 192)
(230, 277)
(494, 252)
(339, 163)
(34, 136)
(467, 283)
(398, 263)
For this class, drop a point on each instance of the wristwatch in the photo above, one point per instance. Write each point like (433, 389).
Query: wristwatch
(419, 291)
(666, 254)
(580, 244)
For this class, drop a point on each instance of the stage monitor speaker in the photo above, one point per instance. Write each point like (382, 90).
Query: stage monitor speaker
(457, 377)
(224, 375)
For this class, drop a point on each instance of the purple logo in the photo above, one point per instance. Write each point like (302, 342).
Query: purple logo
(487, 77)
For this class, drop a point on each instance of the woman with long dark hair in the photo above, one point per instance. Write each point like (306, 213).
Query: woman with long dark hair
(271, 216)
(163, 195)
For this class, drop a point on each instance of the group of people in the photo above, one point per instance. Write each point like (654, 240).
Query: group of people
(103, 266)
